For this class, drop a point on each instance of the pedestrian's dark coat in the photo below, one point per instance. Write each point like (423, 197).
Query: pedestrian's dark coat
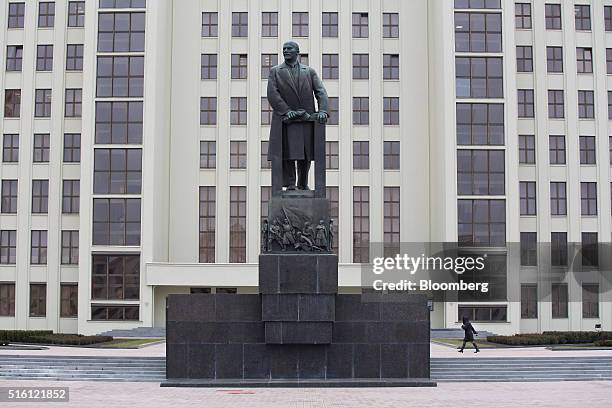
(468, 329)
(284, 94)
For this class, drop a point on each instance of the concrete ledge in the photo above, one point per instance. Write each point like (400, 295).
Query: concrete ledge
(332, 383)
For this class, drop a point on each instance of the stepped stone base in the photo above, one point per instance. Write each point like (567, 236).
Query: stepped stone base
(331, 383)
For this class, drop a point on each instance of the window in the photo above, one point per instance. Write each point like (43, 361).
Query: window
(38, 299)
(263, 151)
(10, 148)
(40, 196)
(303, 58)
(238, 113)
(391, 155)
(524, 58)
(114, 312)
(208, 155)
(480, 172)
(118, 122)
(9, 196)
(266, 111)
(239, 66)
(70, 247)
(73, 103)
(556, 145)
(240, 24)
(361, 224)
(116, 221)
(484, 313)
(264, 201)
(123, 3)
(334, 112)
(41, 147)
(116, 171)
(588, 198)
(237, 244)
(69, 300)
(238, 155)
(554, 59)
(360, 25)
(42, 104)
(72, 148)
(332, 156)
(480, 124)
(558, 198)
(361, 66)
(584, 59)
(208, 65)
(120, 76)
(207, 224)
(610, 147)
(553, 16)
(44, 58)
(7, 299)
(390, 66)
(391, 112)
(391, 221)
(330, 64)
(556, 104)
(558, 248)
(361, 155)
(16, 13)
(332, 195)
(329, 24)
(586, 105)
(115, 277)
(559, 300)
(590, 249)
(529, 301)
(479, 77)
(583, 17)
(208, 110)
(609, 105)
(590, 297)
(478, 32)
(390, 25)
(76, 13)
(526, 149)
(269, 24)
(267, 62)
(8, 247)
(74, 57)
(587, 149)
(38, 249)
(525, 103)
(121, 32)
(528, 197)
(361, 111)
(70, 196)
(608, 18)
(522, 13)
(14, 57)
(46, 14)
(300, 24)
(210, 26)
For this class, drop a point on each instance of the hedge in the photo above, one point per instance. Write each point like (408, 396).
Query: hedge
(48, 337)
(546, 338)
(603, 343)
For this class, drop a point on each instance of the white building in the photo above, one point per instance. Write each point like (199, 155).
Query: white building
(133, 133)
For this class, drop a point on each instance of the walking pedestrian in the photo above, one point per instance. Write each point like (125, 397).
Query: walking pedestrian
(469, 334)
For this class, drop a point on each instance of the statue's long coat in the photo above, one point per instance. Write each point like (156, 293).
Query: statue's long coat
(284, 94)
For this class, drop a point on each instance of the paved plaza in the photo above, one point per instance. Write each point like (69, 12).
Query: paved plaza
(498, 395)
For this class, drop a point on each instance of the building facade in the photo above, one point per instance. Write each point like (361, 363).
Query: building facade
(134, 136)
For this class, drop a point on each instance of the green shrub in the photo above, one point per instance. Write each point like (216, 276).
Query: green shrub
(549, 337)
(48, 337)
(603, 343)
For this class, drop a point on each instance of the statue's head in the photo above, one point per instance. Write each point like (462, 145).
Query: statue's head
(291, 50)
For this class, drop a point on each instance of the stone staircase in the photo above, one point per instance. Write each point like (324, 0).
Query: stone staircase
(462, 369)
(484, 369)
(139, 332)
(28, 367)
